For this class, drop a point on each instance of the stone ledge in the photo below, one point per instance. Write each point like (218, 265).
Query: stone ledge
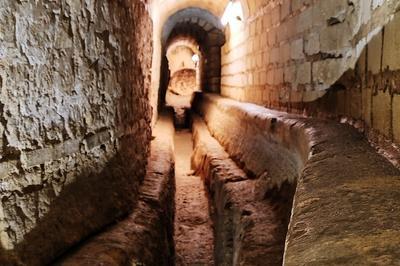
(145, 236)
(248, 230)
(345, 209)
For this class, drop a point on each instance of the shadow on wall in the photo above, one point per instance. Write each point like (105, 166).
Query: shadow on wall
(106, 195)
(77, 132)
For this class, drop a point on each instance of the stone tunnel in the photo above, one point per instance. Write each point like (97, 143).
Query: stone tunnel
(199, 132)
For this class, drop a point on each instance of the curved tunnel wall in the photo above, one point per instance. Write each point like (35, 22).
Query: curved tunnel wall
(74, 121)
(190, 22)
(335, 169)
(207, 30)
(333, 59)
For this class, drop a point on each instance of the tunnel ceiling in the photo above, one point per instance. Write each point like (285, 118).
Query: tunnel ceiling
(195, 22)
(187, 41)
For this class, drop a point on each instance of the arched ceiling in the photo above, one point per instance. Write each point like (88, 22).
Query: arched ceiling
(183, 41)
(163, 9)
(192, 21)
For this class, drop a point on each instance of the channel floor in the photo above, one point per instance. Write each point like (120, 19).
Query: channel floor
(193, 225)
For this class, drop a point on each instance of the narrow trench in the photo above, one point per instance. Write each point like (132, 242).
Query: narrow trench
(259, 232)
(193, 226)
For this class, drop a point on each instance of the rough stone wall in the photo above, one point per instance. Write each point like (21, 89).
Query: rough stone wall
(179, 94)
(287, 53)
(151, 221)
(336, 170)
(183, 82)
(74, 120)
(369, 96)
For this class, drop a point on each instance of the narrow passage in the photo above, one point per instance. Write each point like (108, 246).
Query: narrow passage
(193, 226)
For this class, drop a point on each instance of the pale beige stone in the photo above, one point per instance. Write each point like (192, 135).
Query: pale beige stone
(375, 54)
(391, 47)
(382, 112)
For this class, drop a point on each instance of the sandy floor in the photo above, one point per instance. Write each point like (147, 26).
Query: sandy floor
(193, 226)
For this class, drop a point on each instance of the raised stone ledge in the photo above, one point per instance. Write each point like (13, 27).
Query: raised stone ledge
(345, 209)
(145, 236)
(248, 230)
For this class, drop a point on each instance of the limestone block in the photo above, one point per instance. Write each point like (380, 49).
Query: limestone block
(331, 8)
(278, 76)
(285, 9)
(272, 37)
(286, 52)
(361, 63)
(275, 15)
(259, 25)
(266, 58)
(367, 106)
(382, 112)
(270, 77)
(275, 55)
(354, 97)
(335, 38)
(296, 49)
(305, 21)
(267, 22)
(312, 45)
(396, 118)
(326, 71)
(391, 47)
(290, 73)
(374, 54)
(257, 43)
(303, 75)
(284, 31)
(263, 77)
(264, 40)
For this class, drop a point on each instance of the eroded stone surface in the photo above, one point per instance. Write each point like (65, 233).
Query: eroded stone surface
(345, 207)
(250, 229)
(74, 120)
(146, 235)
(280, 34)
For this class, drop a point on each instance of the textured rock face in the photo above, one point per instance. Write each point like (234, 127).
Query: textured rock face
(249, 229)
(148, 230)
(368, 96)
(289, 51)
(74, 83)
(179, 94)
(183, 82)
(345, 207)
(287, 54)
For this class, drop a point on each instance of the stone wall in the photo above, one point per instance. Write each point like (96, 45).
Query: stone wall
(334, 167)
(74, 120)
(180, 58)
(369, 96)
(286, 54)
(183, 82)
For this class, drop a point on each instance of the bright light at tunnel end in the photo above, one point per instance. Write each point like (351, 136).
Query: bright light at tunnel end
(195, 58)
(233, 11)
